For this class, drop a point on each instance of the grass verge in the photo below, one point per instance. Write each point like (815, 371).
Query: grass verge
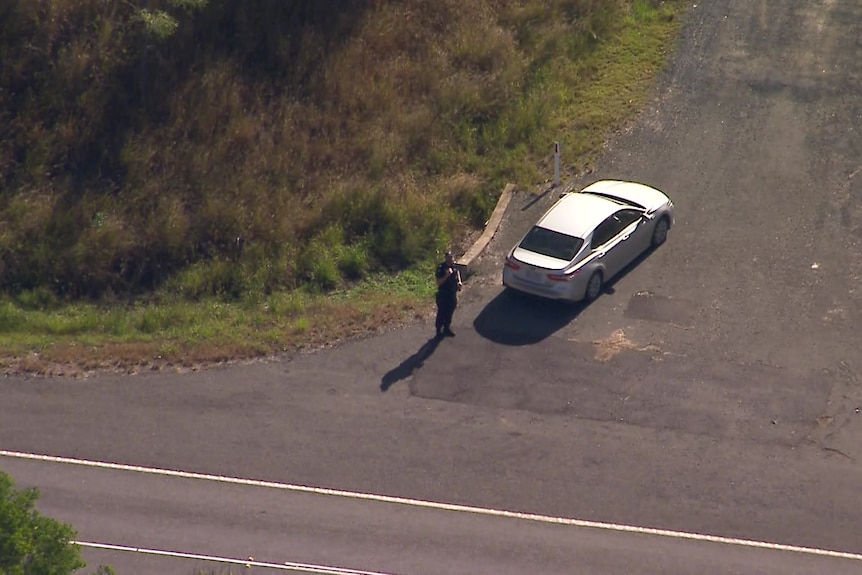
(81, 339)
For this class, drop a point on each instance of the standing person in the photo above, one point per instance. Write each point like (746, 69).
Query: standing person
(448, 286)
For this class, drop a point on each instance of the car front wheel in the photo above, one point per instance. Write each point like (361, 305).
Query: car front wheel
(594, 287)
(659, 233)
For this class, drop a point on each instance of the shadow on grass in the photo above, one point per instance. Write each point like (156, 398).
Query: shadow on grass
(409, 365)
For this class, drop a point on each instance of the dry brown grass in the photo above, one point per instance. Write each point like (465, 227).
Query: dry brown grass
(186, 144)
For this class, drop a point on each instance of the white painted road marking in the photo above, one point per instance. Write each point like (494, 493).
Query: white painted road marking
(287, 566)
(442, 506)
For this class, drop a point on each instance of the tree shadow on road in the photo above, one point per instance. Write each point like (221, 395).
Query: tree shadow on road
(409, 365)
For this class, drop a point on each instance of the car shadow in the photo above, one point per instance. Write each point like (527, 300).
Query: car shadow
(515, 318)
(406, 368)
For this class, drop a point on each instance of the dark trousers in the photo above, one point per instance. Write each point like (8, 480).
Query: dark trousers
(446, 304)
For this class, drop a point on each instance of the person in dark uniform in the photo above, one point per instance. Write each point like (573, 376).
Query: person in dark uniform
(448, 286)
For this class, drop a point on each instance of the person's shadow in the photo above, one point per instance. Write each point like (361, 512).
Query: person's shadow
(409, 365)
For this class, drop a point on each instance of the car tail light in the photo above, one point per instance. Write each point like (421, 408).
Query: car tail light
(563, 277)
(511, 263)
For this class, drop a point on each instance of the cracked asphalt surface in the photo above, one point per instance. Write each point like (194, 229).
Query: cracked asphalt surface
(714, 388)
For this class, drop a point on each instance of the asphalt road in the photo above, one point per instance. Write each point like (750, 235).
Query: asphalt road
(714, 389)
(254, 522)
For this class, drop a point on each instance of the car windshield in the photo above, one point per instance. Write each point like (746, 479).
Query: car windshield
(614, 199)
(552, 244)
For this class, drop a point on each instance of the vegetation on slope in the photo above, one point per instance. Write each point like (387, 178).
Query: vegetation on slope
(260, 152)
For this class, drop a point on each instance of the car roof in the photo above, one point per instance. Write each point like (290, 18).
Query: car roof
(577, 214)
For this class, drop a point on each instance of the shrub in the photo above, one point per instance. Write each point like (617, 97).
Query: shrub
(40, 298)
(318, 262)
(11, 318)
(32, 543)
(353, 261)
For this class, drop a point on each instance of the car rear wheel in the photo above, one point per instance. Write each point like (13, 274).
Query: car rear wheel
(594, 287)
(659, 233)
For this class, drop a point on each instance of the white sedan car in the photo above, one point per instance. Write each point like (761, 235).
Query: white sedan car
(586, 238)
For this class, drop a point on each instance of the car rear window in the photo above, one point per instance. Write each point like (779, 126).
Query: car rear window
(552, 244)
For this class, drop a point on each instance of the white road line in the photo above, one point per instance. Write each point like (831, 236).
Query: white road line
(443, 506)
(287, 566)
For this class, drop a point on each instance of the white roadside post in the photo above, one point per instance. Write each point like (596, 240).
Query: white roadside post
(556, 164)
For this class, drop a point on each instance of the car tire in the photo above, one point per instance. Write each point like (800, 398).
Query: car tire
(659, 232)
(594, 287)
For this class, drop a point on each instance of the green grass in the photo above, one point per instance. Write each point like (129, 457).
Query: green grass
(247, 222)
(81, 337)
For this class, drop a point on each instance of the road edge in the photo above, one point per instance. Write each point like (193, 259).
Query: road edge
(491, 227)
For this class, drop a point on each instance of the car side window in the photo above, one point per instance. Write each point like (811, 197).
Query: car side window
(627, 217)
(605, 231)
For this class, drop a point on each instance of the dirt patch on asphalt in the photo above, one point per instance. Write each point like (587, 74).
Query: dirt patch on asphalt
(608, 348)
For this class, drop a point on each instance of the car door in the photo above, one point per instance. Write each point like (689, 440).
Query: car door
(602, 244)
(630, 244)
(613, 240)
